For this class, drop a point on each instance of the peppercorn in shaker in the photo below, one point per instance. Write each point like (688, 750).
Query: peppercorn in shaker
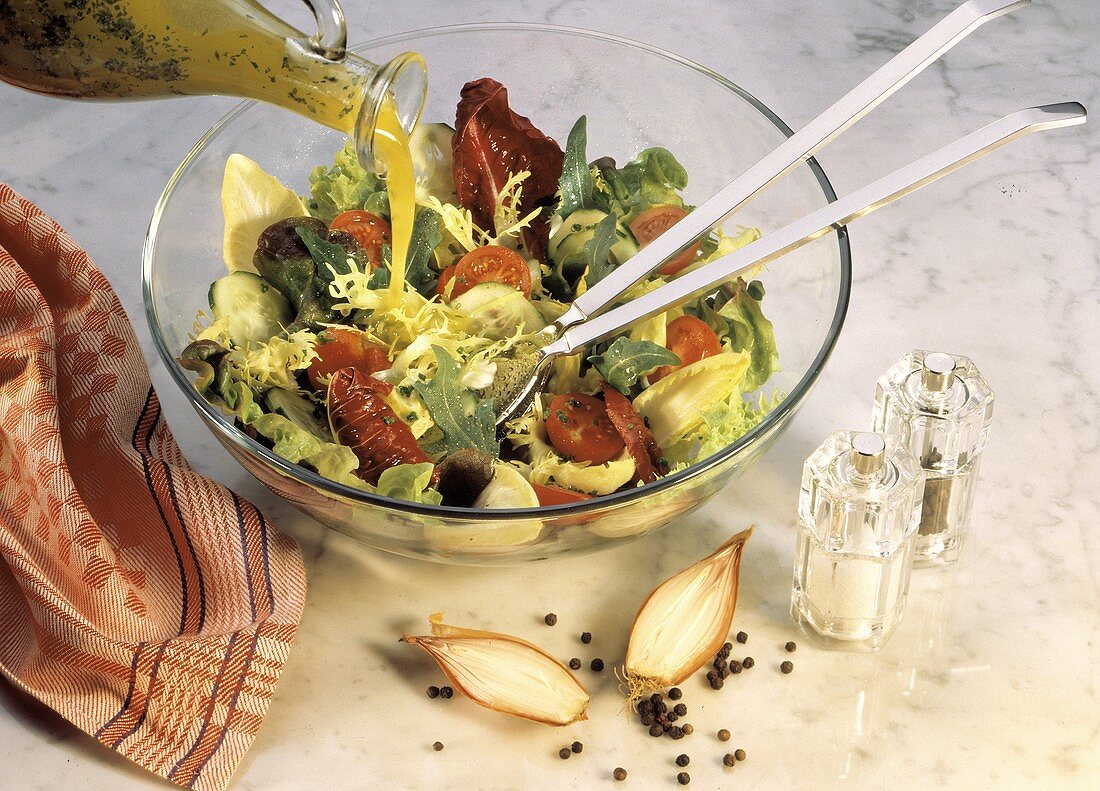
(940, 407)
(859, 511)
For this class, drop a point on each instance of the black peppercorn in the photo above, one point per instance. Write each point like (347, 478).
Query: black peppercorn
(647, 720)
(676, 732)
(586, 637)
(619, 773)
(735, 666)
(718, 663)
(791, 646)
(742, 638)
(786, 667)
(729, 760)
(723, 735)
(550, 619)
(446, 693)
(597, 664)
(656, 698)
(433, 691)
(576, 747)
(739, 754)
(564, 753)
(656, 730)
(437, 746)
(748, 662)
(683, 778)
(675, 693)
(727, 647)
(716, 683)
(682, 760)
(574, 664)
(680, 709)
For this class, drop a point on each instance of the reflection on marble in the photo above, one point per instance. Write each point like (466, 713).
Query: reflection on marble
(993, 678)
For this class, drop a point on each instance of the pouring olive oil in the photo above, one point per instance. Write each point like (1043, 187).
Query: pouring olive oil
(134, 49)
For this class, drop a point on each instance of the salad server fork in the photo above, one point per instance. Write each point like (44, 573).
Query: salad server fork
(860, 203)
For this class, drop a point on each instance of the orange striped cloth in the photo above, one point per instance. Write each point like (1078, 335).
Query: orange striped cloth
(144, 603)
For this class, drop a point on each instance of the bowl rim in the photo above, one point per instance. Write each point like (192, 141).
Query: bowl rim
(214, 416)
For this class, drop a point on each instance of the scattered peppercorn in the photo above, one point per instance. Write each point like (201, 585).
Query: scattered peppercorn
(718, 663)
(676, 732)
(786, 667)
(574, 664)
(727, 647)
(437, 746)
(446, 692)
(619, 773)
(576, 747)
(683, 778)
(723, 735)
(748, 662)
(550, 619)
(735, 666)
(647, 719)
(597, 664)
(682, 760)
(739, 754)
(564, 753)
(680, 709)
(656, 730)
(586, 637)
(791, 646)
(729, 760)
(675, 693)
(433, 691)
(688, 728)
(742, 637)
(714, 681)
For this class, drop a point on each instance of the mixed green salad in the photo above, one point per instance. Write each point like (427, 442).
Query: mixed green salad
(394, 387)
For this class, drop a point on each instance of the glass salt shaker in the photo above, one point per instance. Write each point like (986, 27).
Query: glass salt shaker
(940, 407)
(858, 511)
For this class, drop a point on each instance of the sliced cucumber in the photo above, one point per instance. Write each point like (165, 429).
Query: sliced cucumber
(298, 410)
(497, 310)
(507, 489)
(255, 309)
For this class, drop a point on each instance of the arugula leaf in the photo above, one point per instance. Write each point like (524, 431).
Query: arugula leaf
(577, 186)
(426, 236)
(625, 361)
(598, 248)
(465, 420)
(325, 254)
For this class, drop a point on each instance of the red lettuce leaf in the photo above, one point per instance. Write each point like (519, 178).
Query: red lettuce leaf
(491, 142)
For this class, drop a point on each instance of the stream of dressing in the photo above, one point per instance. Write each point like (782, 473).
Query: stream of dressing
(391, 147)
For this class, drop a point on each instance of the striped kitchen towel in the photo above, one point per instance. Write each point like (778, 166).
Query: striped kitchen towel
(147, 605)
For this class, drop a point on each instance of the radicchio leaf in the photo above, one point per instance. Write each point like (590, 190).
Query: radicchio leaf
(490, 143)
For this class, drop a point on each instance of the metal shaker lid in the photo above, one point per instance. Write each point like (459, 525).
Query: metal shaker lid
(868, 452)
(937, 372)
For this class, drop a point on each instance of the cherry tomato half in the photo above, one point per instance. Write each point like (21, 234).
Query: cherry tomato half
(556, 495)
(578, 426)
(653, 222)
(370, 230)
(345, 349)
(691, 340)
(491, 264)
(445, 277)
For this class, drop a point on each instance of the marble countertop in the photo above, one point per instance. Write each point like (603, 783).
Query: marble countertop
(993, 679)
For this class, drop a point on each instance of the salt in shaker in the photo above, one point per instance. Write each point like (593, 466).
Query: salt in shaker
(858, 510)
(940, 407)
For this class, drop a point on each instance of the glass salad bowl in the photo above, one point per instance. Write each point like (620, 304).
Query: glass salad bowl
(634, 96)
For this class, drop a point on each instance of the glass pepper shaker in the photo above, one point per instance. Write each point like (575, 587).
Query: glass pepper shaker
(858, 511)
(940, 407)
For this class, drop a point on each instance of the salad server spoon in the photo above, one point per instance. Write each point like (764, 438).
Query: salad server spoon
(814, 225)
(818, 133)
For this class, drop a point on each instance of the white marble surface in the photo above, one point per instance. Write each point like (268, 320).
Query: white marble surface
(993, 680)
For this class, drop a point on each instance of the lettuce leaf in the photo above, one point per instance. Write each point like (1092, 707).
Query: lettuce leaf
(625, 361)
(721, 425)
(465, 420)
(752, 332)
(652, 178)
(409, 482)
(345, 186)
